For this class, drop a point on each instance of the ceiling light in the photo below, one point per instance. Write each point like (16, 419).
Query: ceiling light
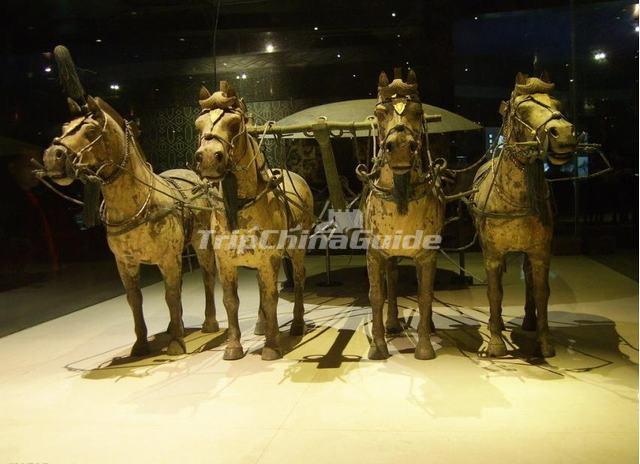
(98, 40)
(393, 15)
(114, 87)
(244, 76)
(599, 56)
(47, 69)
(315, 28)
(338, 55)
(269, 48)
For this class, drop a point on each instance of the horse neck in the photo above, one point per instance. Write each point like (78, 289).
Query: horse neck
(126, 194)
(249, 181)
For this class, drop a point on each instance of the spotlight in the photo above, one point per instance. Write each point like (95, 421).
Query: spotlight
(47, 69)
(98, 40)
(599, 56)
(269, 48)
(338, 55)
(244, 76)
(315, 28)
(114, 87)
(393, 15)
(181, 39)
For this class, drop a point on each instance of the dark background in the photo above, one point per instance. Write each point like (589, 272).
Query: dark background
(465, 53)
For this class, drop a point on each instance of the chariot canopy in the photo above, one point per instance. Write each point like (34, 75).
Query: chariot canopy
(347, 118)
(359, 110)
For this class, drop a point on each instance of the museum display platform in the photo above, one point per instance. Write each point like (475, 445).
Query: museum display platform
(69, 392)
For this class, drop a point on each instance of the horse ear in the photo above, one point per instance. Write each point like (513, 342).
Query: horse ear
(224, 85)
(74, 108)
(521, 79)
(546, 77)
(504, 106)
(204, 93)
(231, 92)
(383, 80)
(411, 77)
(93, 106)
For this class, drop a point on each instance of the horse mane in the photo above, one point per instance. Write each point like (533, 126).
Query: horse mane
(397, 87)
(120, 121)
(220, 100)
(107, 108)
(533, 85)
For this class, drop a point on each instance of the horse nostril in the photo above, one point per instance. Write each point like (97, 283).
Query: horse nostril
(59, 154)
(413, 145)
(553, 132)
(400, 127)
(389, 146)
(198, 157)
(208, 136)
(219, 156)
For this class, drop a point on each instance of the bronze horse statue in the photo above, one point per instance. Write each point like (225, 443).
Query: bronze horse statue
(251, 199)
(403, 196)
(145, 214)
(511, 207)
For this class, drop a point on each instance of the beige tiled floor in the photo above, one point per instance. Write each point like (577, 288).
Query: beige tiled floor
(69, 394)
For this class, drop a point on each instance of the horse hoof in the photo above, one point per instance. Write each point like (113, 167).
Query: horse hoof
(547, 349)
(297, 328)
(529, 324)
(231, 353)
(176, 347)
(496, 349)
(378, 351)
(140, 348)
(393, 327)
(210, 326)
(270, 354)
(259, 330)
(424, 351)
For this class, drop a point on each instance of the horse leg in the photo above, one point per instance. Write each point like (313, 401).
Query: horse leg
(268, 283)
(540, 274)
(375, 269)
(261, 323)
(426, 270)
(529, 321)
(229, 280)
(171, 271)
(130, 276)
(207, 262)
(493, 265)
(392, 325)
(297, 325)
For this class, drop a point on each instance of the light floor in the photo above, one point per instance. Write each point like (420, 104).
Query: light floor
(69, 394)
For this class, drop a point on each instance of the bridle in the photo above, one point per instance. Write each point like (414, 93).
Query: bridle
(381, 158)
(215, 116)
(540, 146)
(429, 181)
(75, 166)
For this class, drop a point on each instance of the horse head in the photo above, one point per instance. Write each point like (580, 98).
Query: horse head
(400, 121)
(92, 140)
(533, 115)
(221, 126)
